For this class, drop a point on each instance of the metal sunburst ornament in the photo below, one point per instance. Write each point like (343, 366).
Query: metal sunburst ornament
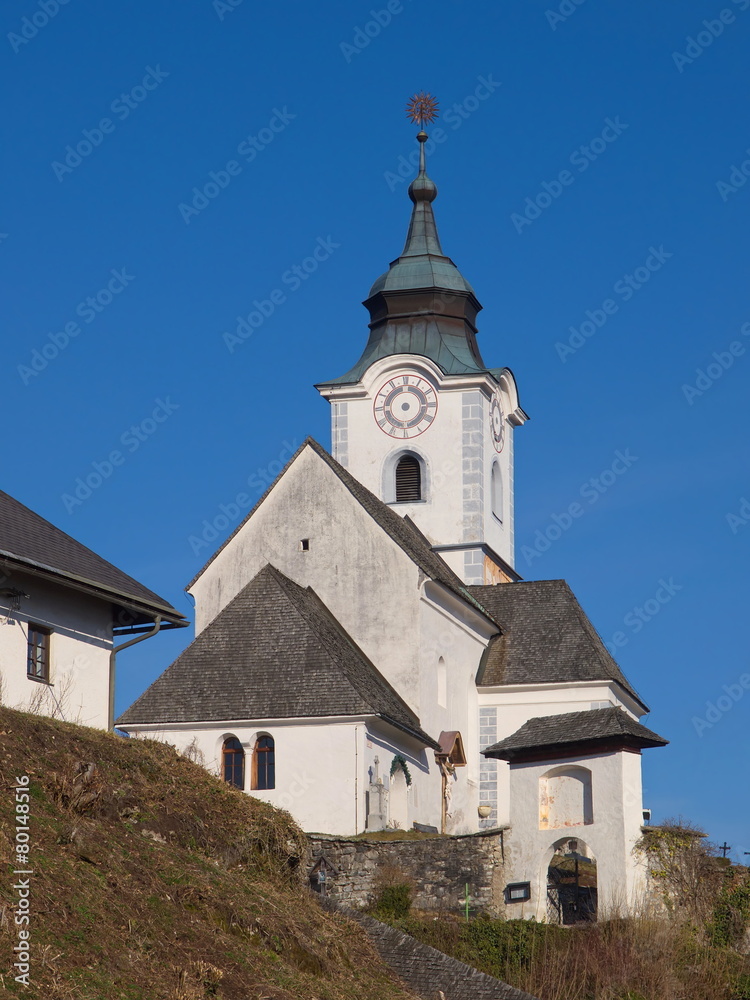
(422, 109)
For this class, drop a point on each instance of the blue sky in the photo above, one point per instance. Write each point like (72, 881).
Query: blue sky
(592, 183)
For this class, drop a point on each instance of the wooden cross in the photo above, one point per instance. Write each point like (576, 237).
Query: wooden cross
(724, 848)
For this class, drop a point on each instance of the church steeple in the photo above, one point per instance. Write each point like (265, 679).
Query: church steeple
(422, 304)
(422, 237)
(420, 420)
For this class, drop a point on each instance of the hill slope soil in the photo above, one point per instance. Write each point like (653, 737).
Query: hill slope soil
(153, 880)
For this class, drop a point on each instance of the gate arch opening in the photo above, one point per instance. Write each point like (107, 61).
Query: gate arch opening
(572, 887)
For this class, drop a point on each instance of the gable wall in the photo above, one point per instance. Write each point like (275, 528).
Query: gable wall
(369, 584)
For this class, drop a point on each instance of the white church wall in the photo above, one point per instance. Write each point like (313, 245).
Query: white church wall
(459, 645)
(422, 794)
(511, 706)
(80, 644)
(323, 766)
(610, 829)
(363, 577)
(319, 764)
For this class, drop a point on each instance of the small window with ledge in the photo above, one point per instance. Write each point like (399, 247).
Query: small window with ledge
(233, 758)
(264, 764)
(37, 655)
(496, 491)
(408, 479)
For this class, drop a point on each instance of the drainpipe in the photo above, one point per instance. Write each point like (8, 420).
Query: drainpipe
(113, 653)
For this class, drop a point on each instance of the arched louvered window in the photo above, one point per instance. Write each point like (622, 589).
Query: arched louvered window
(234, 762)
(264, 763)
(408, 479)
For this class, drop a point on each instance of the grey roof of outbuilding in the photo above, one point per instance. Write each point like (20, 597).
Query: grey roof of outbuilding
(30, 541)
(274, 652)
(401, 530)
(599, 725)
(547, 638)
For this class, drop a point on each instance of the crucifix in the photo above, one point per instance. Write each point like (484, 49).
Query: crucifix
(724, 848)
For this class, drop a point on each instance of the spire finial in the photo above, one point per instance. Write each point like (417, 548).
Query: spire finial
(422, 109)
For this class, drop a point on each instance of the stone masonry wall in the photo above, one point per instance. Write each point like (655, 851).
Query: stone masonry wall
(438, 867)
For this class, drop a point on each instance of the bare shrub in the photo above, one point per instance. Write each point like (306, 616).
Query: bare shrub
(684, 868)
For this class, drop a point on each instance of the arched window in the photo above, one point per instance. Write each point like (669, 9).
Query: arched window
(408, 479)
(442, 683)
(496, 491)
(264, 763)
(234, 762)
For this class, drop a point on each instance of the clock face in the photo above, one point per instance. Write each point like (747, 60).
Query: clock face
(497, 422)
(405, 406)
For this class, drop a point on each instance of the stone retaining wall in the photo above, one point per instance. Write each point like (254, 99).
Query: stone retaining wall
(438, 867)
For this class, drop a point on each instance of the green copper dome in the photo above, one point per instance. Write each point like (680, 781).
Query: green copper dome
(422, 304)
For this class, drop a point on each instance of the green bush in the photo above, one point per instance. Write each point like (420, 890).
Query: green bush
(393, 902)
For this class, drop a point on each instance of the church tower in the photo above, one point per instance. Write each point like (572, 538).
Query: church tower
(420, 420)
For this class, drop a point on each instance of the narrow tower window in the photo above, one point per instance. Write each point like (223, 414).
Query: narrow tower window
(496, 491)
(408, 480)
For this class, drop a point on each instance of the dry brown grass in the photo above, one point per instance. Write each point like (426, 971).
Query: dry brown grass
(633, 959)
(155, 881)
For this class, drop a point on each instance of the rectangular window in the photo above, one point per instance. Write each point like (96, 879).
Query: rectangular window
(37, 659)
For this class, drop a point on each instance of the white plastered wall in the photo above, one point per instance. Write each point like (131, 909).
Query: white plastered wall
(80, 645)
(610, 838)
(511, 706)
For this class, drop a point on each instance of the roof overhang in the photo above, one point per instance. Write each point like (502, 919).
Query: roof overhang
(138, 611)
(581, 748)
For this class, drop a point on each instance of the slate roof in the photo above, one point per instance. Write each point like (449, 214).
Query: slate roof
(547, 638)
(38, 546)
(402, 530)
(274, 652)
(598, 726)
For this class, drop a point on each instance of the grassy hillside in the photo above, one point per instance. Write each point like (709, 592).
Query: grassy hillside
(154, 881)
(634, 959)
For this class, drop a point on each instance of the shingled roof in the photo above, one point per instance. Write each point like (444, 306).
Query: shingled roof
(402, 530)
(31, 544)
(597, 727)
(274, 652)
(547, 638)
